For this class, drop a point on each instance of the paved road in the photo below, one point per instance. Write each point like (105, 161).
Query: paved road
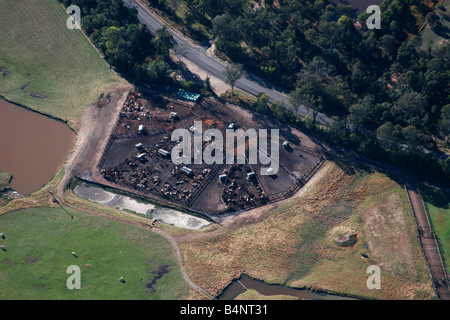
(197, 55)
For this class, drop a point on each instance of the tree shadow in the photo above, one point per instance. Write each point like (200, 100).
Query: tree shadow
(188, 75)
(435, 196)
(442, 31)
(71, 216)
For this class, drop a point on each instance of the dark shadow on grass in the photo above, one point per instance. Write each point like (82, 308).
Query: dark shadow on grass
(435, 196)
(442, 31)
(71, 216)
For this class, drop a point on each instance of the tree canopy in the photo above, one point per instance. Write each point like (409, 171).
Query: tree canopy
(233, 72)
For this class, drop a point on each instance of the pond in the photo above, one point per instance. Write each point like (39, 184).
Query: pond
(245, 282)
(33, 147)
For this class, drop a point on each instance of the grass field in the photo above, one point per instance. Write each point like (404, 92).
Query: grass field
(295, 246)
(437, 203)
(46, 66)
(39, 243)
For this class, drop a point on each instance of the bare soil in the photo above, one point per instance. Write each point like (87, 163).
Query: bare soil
(158, 177)
(97, 123)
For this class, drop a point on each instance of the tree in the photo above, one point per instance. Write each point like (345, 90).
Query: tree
(389, 47)
(411, 106)
(406, 53)
(444, 121)
(163, 41)
(116, 47)
(299, 98)
(347, 37)
(157, 71)
(414, 138)
(233, 73)
(357, 117)
(395, 29)
(388, 134)
(226, 28)
(433, 20)
(262, 103)
(208, 86)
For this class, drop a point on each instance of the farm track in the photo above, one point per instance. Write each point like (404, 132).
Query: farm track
(428, 242)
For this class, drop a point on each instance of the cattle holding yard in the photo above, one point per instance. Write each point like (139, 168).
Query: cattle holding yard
(140, 155)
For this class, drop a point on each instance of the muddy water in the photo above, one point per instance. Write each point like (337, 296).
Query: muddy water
(32, 146)
(244, 281)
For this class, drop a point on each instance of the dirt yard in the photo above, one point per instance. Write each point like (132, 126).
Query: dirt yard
(139, 156)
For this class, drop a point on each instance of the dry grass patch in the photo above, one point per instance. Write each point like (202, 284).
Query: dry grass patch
(292, 245)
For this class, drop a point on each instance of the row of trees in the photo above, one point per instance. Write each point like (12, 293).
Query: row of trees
(389, 91)
(325, 54)
(387, 146)
(126, 44)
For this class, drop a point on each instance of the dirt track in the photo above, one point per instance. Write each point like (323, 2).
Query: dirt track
(428, 242)
(96, 125)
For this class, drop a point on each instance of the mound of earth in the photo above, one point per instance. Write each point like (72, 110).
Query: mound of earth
(344, 237)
